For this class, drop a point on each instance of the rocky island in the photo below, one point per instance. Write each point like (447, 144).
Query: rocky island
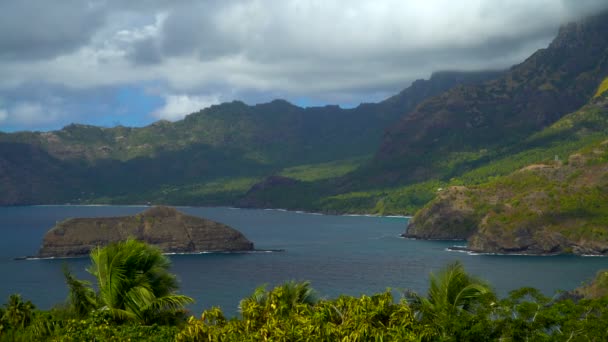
(164, 227)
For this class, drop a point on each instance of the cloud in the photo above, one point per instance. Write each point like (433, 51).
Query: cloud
(255, 50)
(178, 106)
(29, 115)
(40, 29)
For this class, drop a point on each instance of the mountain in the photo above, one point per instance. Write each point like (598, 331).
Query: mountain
(465, 125)
(469, 133)
(557, 206)
(456, 129)
(210, 157)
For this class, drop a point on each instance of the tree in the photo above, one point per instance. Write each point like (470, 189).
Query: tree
(134, 284)
(281, 301)
(452, 296)
(17, 313)
(82, 297)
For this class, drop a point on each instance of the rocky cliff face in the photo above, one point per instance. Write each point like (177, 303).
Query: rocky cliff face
(554, 208)
(165, 227)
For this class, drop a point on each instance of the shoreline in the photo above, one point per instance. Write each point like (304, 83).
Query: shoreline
(226, 207)
(255, 251)
(407, 236)
(464, 249)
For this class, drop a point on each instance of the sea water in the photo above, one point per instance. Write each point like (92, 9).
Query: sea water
(351, 255)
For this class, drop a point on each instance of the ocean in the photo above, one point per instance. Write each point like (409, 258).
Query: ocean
(350, 255)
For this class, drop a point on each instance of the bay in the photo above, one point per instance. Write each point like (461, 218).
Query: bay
(351, 255)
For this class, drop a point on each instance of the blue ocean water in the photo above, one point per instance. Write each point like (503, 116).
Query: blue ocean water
(338, 254)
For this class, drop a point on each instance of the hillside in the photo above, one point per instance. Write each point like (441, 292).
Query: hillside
(468, 125)
(557, 206)
(471, 133)
(210, 157)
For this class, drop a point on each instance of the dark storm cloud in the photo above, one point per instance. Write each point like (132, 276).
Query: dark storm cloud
(32, 29)
(145, 51)
(199, 29)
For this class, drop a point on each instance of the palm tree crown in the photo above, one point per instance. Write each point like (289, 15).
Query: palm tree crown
(133, 280)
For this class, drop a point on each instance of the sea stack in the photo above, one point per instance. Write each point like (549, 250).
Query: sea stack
(164, 227)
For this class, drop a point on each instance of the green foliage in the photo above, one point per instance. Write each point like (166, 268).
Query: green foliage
(598, 288)
(101, 327)
(602, 88)
(134, 282)
(81, 296)
(457, 307)
(215, 192)
(314, 172)
(395, 201)
(527, 315)
(17, 314)
(284, 314)
(453, 297)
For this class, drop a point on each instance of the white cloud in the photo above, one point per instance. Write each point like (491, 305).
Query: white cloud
(30, 114)
(325, 51)
(299, 48)
(178, 106)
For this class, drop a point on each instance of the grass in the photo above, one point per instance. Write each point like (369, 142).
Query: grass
(602, 88)
(315, 172)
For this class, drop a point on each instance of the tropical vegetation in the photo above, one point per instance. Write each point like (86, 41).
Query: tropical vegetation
(135, 300)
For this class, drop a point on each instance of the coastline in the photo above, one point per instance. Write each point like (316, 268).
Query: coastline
(219, 206)
(464, 249)
(255, 251)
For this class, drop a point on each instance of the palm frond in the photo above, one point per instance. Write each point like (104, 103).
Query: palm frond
(82, 297)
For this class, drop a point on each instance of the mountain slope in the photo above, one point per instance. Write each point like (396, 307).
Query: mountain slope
(470, 133)
(558, 206)
(464, 124)
(224, 143)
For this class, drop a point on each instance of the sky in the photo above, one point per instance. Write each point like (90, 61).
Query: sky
(115, 62)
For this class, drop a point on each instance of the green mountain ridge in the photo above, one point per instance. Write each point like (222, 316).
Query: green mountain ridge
(224, 143)
(470, 133)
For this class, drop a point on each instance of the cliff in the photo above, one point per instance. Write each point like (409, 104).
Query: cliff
(596, 288)
(558, 207)
(555, 206)
(165, 227)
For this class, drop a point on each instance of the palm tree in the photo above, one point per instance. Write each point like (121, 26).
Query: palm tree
(82, 297)
(279, 302)
(134, 283)
(17, 313)
(452, 292)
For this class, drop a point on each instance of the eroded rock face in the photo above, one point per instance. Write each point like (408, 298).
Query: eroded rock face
(541, 209)
(165, 227)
